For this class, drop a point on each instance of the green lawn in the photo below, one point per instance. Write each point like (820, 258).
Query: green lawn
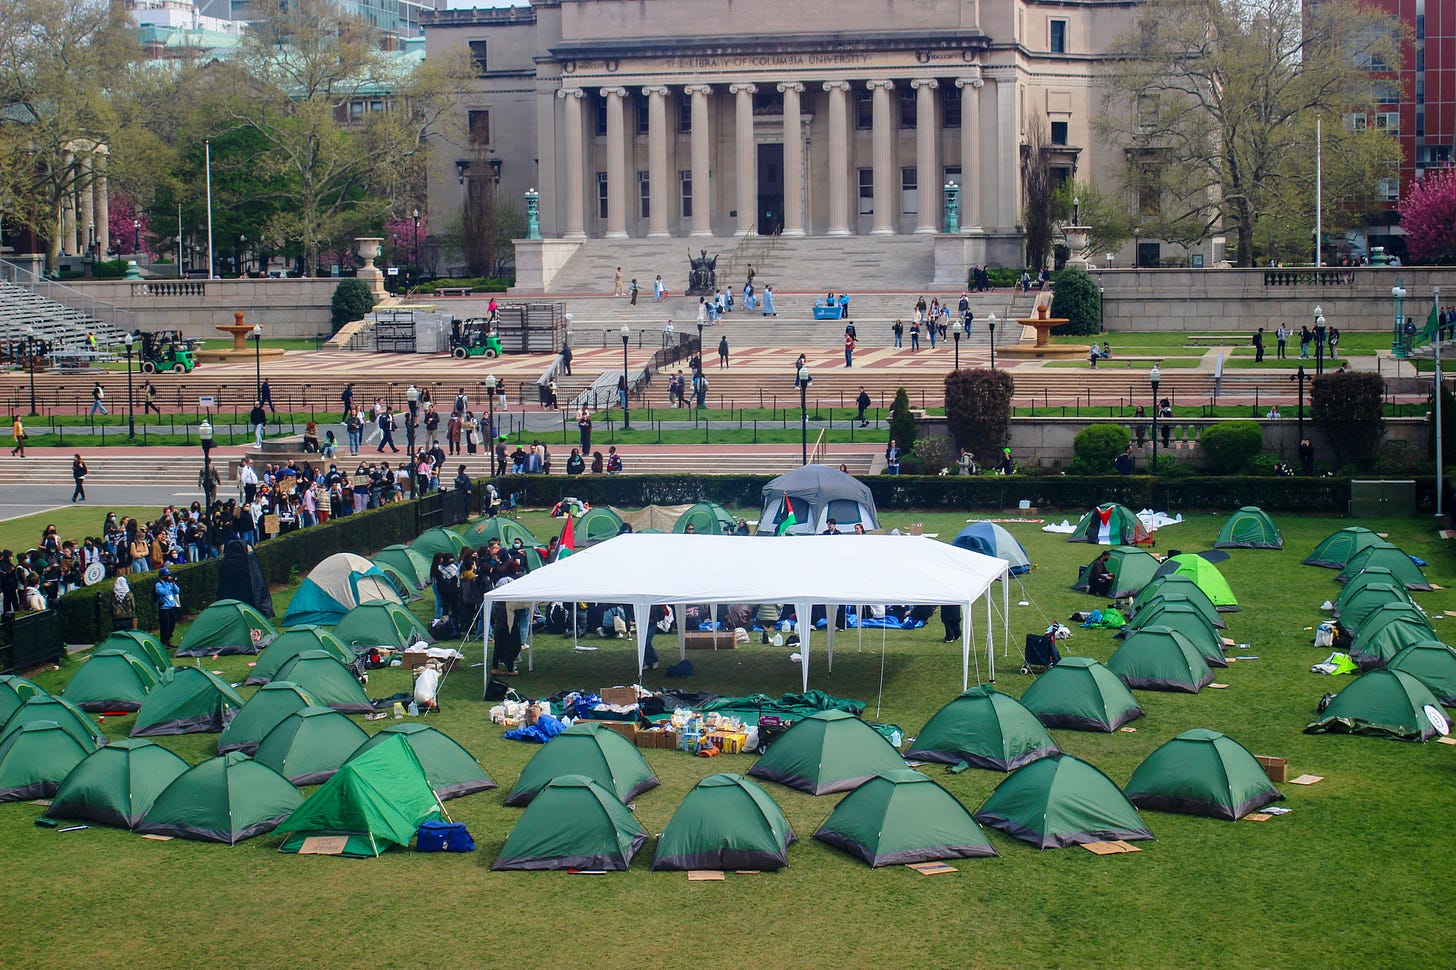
(75, 523)
(1349, 878)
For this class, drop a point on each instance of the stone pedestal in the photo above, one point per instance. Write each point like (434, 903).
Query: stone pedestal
(369, 249)
(1043, 323)
(1077, 243)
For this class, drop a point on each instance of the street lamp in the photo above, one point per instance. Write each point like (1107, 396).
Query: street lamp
(1319, 341)
(1397, 338)
(804, 378)
(700, 339)
(130, 405)
(1436, 399)
(991, 325)
(956, 329)
(257, 336)
(414, 275)
(1155, 376)
(1301, 377)
(490, 420)
(30, 361)
(204, 434)
(626, 386)
(136, 235)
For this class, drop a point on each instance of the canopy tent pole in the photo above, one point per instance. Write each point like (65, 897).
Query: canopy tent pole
(966, 649)
(990, 640)
(713, 625)
(682, 632)
(1006, 613)
(642, 611)
(485, 645)
(804, 613)
(879, 698)
(530, 639)
(574, 605)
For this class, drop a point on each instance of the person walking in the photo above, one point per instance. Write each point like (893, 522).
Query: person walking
(348, 398)
(1259, 346)
(265, 395)
(18, 435)
(78, 474)
(149, 399)
(848, 349)
(723, 352)
(386, 430)
(863, 402)
(258, 418)
(98, 399)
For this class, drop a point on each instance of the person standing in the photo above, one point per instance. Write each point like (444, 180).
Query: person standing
(863, 402)
(18, 435)
(950, 617)
(633, 291)
(566, 359)
(248, 479)
(914, 334)
(848, 349)
(123, 606)
(169, 604)
(723, 352)
(78, 474)
(412, 398)
(899, 331)
(354, 427)
(1304, 338)
(258, 418)
(1281, 337)
(1124, 462)
(1334, 341)
(768, 303)
(1259, 346)
(617, 283)
(1306, 457)
(892, 458)
(659, 289)
(98, 399)
(584, 427)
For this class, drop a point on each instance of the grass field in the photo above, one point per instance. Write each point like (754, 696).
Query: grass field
(1351, 877)
(74, 523)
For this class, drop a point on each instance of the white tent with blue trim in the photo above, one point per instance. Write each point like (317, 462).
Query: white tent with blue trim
(335, 586)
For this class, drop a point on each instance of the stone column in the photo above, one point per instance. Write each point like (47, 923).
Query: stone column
(103, 202)
(702, 220)
(657, 174)
(793, 160)
(990, 165)
(571, 99)
(1008, 141)
(746, 163)
(927, 156)
(86, 223)
(68, 215)
(970, 152)
(616, 163)
(837, 157)
(884, 159)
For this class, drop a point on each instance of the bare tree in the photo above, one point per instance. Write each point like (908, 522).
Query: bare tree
(1037, 193)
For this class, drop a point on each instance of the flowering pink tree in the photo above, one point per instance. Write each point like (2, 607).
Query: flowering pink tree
(399, 239)
(128, 223)
(1428, 216)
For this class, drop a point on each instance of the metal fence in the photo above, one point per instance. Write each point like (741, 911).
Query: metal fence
(30, 640)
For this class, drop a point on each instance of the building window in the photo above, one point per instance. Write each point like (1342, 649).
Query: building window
(644, 195)
(909, 197)
(864, 109)
(1388, 121)
(1059, 132)
(600, 113)
(685, 189)
(1390, 190)
(909, 107)
(601, 195)
(1355, 121)
(1385, 92)
(1058, 36)
(685, 114)
(478, 58)
(950, 106)
(642, 115)
(866, 191)
(480, 128)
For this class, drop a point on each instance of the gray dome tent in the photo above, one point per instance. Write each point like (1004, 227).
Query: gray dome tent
(815, 494)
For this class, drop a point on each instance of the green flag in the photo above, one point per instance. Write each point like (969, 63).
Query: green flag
(1429, 333)
(789, 520)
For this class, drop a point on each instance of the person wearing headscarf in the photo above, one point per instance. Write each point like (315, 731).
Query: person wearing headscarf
(123, 606)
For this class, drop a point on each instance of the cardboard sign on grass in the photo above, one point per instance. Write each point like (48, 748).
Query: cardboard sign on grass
(931, 868)
(705, 875)
(1307, 780)
(324, 845)
(1110, 848)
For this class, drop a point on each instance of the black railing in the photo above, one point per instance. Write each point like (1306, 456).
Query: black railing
(29, 640)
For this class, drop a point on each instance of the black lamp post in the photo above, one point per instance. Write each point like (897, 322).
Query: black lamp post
(1155, 376)
(1300, 377)
(490, 383)
(30, 363)
(626, 381)
(415, 273)
(130, 403)
(991, 325)
(700, 339)
(956, 329)
(257, 336)
(204, 435)
(804, 378)
(136, 235)
(1319, 341)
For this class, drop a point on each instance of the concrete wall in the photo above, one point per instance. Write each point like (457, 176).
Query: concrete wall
(285, 308)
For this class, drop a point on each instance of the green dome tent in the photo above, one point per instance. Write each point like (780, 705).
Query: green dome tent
(1158, 658)
(499, 527)
(1340, 547)
(1387, 631)
(1205, 575)
(334, 587)
(117, 785)
(1131, 569)
(596, 525)
(189, 700)
(1249, 528)
(1352, 611)
(984, 728)
(140, 644)
(309, 745)
(707, 519)
(410, 564)
(437, 540)
(451, 770)
(1433, 664)
(901, 817)
(44, 707)
(1202, 772)
(291, 643)
(586, 748)
(991, 539)
(1369, 575)
(1081, 694)
(1173, 588)
(269, 705)
(227, 627)
(1061, 801)
(1186, 619)
(1387, 556)
(1108, 525)
(34, 758)
(380, 625)
(828, 751)
(404, 588)
(725, 822)
(111, 680)
(574, 823)
(375, 801)
(15, 691)
(1382, 703)
(327, 681)
(225, 799)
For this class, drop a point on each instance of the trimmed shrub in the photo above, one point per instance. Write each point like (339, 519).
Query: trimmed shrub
(1077, 299)
(1230, 444)
(1349, 410)
(352, 299)
(929, 457)
(978, 411)
(1096, 447)
(1399, 459)
(902, 423)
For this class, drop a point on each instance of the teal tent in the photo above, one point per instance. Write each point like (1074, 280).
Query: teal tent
(116, 785)
(1386, 555)
(227, 627)
(1387, 631)
(1340, 547)
(15, 691)
(438, 540)
(111, 680)
(596, 525)
(1173, 588)
(140, 644)
(586, 748)
(1433, 664)
(1352, 611)
(1249, 528)
(1131, 570)
(1061, 801)
(327, 681)
(187, 701)
(499, 527)
(380, 625)
(334, 587)
(1160, 658)
(706, 518)
(1108, 524)
(411, 565)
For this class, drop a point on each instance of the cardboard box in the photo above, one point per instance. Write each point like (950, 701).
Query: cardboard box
(413, 659)
(619, 696)
(708, 640)
(1276, 768)
(656, 739)
(627, 729)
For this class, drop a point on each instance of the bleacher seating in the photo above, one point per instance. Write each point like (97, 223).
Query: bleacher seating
(63, 327)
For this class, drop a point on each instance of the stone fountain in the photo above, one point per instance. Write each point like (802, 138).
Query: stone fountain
(240, 350)
(1043, 349)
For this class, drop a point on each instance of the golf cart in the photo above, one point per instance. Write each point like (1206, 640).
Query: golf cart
(473, 338)
(166, 350)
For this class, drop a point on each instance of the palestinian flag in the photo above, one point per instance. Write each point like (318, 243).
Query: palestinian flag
(568, 538)
(789, 519)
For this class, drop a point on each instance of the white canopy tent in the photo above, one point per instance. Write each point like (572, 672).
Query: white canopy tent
(856, 570)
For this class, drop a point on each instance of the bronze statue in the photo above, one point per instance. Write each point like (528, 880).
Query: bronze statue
(702, 273)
